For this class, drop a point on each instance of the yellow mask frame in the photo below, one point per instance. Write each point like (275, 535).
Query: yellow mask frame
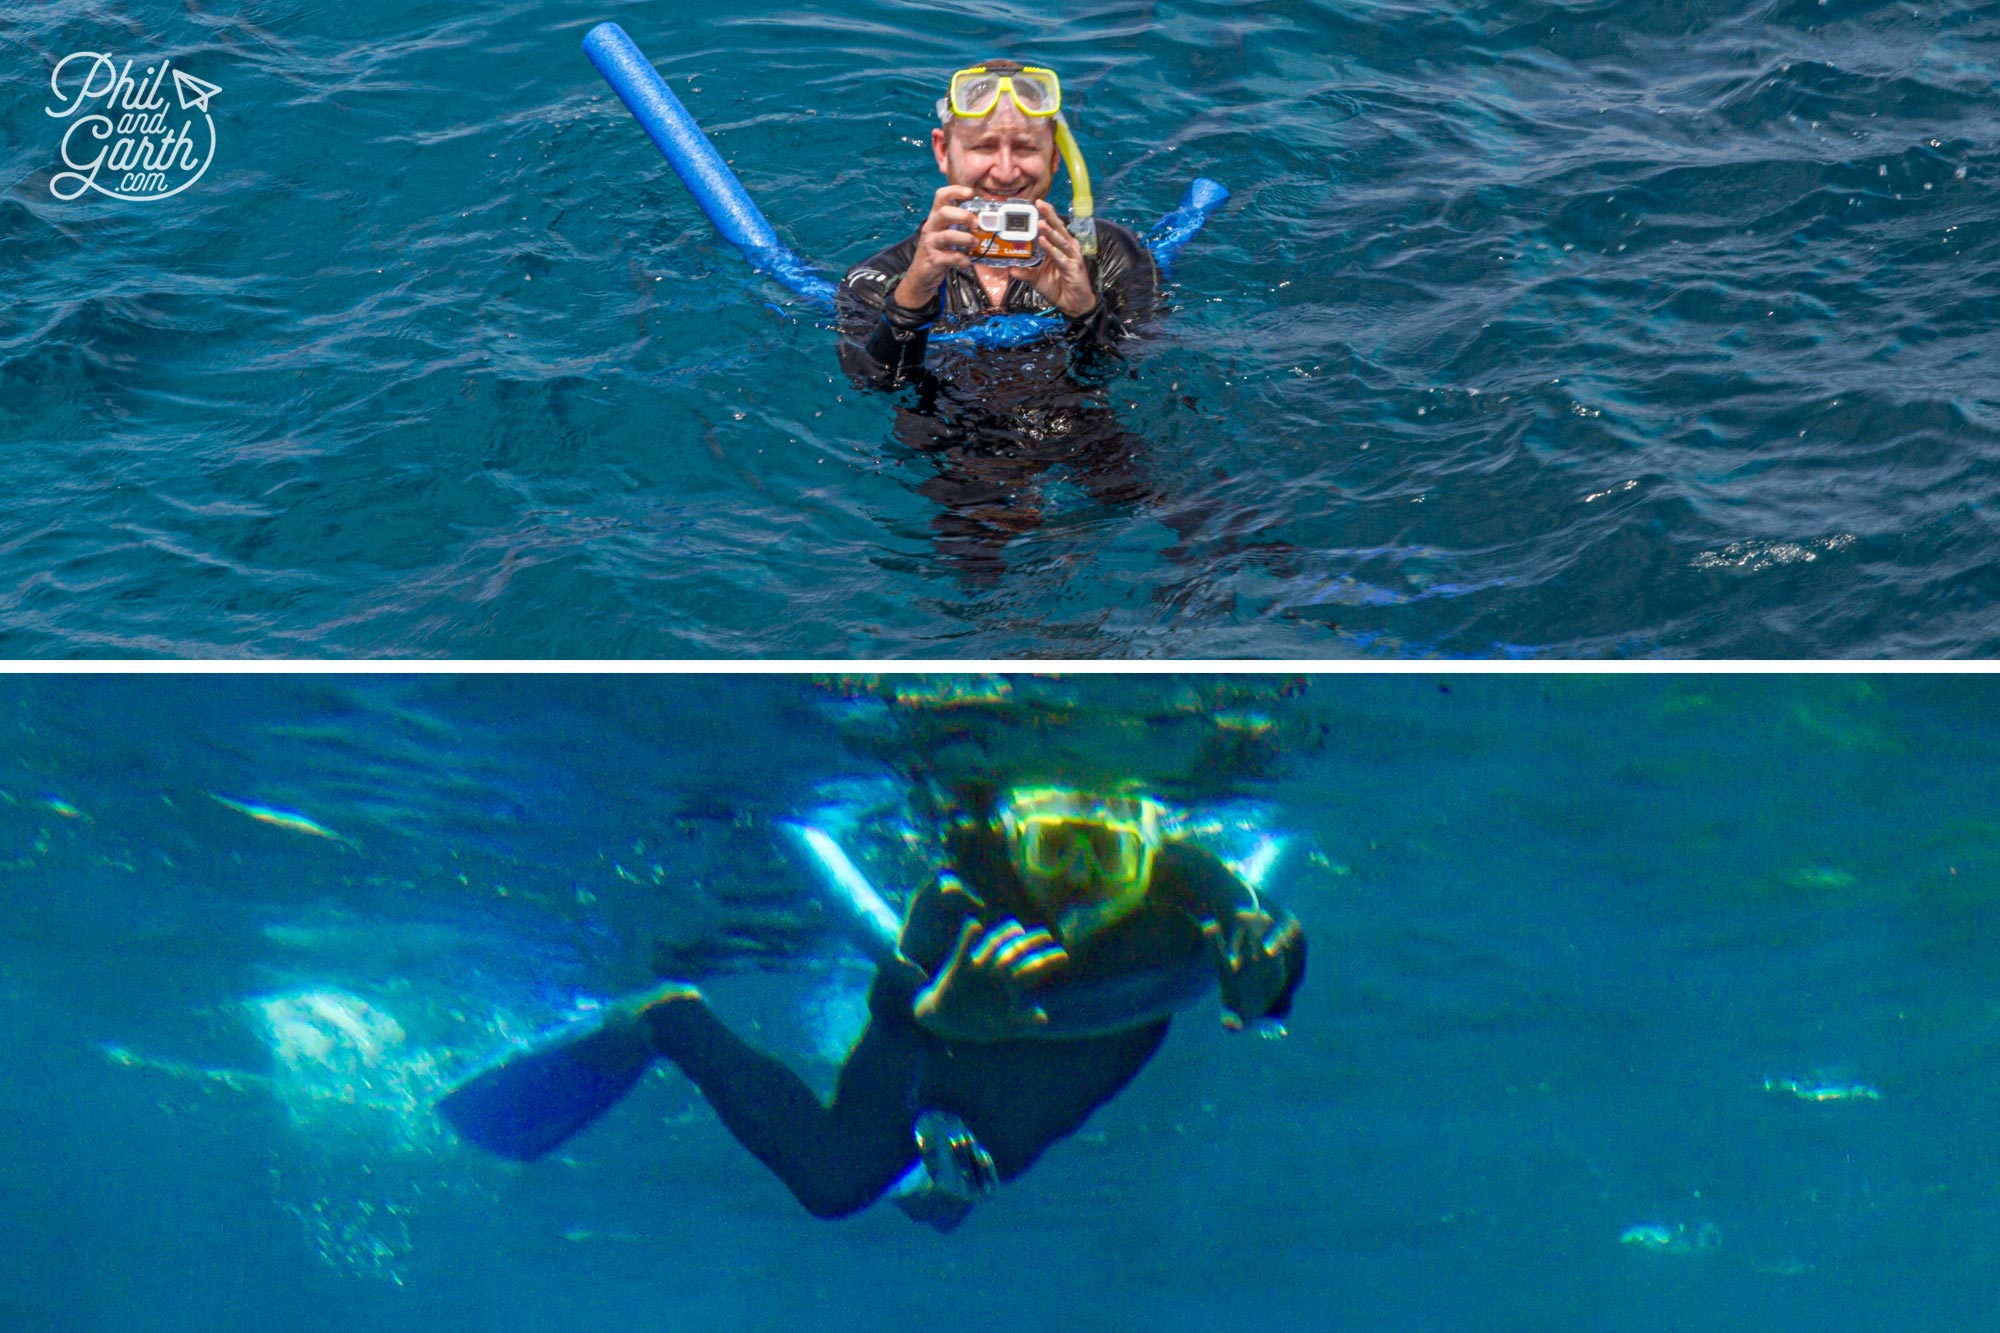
(958, 94)
(1053, 833)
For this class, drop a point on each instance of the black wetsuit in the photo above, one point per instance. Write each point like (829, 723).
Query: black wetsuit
(997, 418)
(1017, 1097)
(885, 344)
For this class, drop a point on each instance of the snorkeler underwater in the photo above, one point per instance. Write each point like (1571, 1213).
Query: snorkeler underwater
(594, 1002)
(1137, 330)
(1026, 985)
(1072, 912)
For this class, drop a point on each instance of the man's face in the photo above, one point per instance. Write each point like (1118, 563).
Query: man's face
(1004, 155)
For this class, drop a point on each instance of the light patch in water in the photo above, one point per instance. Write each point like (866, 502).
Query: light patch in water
(1751, 557)
(1240, 835)
(834, 1015)
(1256, 867)
(329, 1030)
(291, 821)
(359, 1093)
(236, 1080)
(1820, 879)
(1657, 1238)
(1822, 1089)
(340, 1058)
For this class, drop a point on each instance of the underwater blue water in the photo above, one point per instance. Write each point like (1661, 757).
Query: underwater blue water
(1533, 328)
(1573, 941)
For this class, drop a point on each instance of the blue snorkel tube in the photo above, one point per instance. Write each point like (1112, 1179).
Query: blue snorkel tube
(740, 222)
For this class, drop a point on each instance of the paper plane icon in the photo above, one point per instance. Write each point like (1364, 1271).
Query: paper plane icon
(193, 92)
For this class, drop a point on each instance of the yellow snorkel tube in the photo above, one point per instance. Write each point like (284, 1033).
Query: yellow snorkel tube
(1082, 225)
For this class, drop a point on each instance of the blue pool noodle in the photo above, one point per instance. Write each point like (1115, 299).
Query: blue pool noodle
(737, 218)
(694, 159)
(1182, 225)
(864, 916)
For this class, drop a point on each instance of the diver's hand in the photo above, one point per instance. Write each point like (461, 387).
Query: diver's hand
(982, 993)
(941, 247)
(1250, 963)
(1061, 277)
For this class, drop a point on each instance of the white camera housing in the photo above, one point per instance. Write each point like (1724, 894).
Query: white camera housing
(1010, 221)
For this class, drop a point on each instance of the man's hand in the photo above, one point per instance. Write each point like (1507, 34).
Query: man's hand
(1250, 963)
(941, 245)
(1062, 277)
(982, 993)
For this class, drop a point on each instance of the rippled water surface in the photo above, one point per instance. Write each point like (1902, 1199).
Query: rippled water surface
(1532, 328)
(1637, 1003)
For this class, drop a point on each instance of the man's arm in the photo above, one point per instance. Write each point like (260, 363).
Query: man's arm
(1129, 288)
(961, 978)
(930, 926)
(1260, 948)
(882, 344)
(888, 303)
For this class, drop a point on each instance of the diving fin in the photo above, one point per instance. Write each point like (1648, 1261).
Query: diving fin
(533, 1100)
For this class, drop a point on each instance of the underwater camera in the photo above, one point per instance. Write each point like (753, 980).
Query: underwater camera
(1004, 233)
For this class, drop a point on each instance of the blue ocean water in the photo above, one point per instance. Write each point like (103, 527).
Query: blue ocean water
(1581, 947)
(1533, 328)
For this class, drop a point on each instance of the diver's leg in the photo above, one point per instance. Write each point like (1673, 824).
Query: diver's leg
(1020, 1097)
(835, 1159)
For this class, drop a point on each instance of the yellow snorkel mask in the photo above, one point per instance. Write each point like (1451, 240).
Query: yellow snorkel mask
(1037, 94)
(1086, 859)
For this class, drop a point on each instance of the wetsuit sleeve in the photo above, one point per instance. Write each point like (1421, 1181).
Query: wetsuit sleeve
(1202, 886)
(932, 923)
(882, 344)
(1129, 290)
(930, 932)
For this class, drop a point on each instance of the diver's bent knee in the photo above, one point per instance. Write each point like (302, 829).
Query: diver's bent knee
(670, 1014)
(836, 1186)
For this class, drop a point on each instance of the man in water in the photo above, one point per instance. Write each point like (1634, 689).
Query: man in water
(997, 140)
(1003, 418)
(1030, 983)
